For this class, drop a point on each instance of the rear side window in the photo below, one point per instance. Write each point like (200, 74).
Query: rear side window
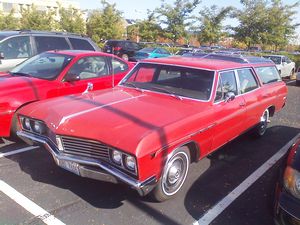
(268, 74)
(50, 43)
(247, 80)
(81, 44)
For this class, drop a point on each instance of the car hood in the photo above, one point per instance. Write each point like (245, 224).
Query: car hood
(14, 86)
(124, 118)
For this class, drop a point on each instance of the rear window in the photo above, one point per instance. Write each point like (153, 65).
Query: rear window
(46, 43)
(268, 74)
(81, 44)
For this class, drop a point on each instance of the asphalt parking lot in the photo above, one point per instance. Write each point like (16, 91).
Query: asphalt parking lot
(33, 190)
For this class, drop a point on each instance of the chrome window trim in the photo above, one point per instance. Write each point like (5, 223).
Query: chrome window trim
(183, 97)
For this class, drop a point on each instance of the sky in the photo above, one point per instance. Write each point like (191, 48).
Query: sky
(137, 9)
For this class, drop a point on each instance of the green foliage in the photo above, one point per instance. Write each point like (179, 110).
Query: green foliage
(71, 20)
(211, 24)
(106, 23)
(176, 17)
(8, 22)
(33, 19)
(264, 23)
(147, 30)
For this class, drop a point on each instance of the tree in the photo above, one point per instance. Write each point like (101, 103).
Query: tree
(8, 22)
(106, 23)
(252, 22)
(147, 30)
(211, 24)
(176, 17)
(280, 27)
(71, 20)
(33, 19)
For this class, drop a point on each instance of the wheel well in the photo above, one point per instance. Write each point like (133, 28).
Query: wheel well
(194, 151)
(271, 110)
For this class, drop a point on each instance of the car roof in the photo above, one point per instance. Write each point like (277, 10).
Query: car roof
(80, 53)
(208, 63)
(22, 32)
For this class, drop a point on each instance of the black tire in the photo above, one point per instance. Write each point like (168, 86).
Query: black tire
(292, 74)
(13, 130)
(125, 57)
(173, 176)
(298, 82)
(261, 128)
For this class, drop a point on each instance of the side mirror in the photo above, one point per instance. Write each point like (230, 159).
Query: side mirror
(230, 96)
(71, 77)
(1, 55)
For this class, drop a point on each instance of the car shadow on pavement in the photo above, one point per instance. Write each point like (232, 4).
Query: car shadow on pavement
(230, 166)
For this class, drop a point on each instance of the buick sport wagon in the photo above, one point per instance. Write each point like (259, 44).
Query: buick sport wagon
(164, 115)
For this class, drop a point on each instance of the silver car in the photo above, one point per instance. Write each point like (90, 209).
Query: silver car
(17, 46)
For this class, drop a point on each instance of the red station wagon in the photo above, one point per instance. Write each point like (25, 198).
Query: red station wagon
(53, 74)
(164, 115)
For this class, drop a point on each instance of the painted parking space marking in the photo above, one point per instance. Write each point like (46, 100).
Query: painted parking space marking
(29, 205)
(18, 151)
(289, 82)
(215, 211)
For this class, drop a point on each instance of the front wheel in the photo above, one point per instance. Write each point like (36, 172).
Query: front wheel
(261, 128)
(173, 176)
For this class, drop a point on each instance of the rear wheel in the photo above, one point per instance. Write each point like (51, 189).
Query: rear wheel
(292, 74)
(261, 128)
(173, 176)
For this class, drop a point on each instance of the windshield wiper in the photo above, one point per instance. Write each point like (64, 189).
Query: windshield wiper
(20, 74)
(173, 94)
(134, 86)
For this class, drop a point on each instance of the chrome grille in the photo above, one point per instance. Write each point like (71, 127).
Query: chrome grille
(85, 148)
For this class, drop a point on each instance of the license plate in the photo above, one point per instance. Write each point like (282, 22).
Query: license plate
(70, 166)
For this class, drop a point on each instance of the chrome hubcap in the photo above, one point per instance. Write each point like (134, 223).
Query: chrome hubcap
(175, 173)
(264, 121)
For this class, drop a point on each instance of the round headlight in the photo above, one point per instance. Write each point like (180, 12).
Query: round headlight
(292, 181)
(37, 127)
(117, 156)
(130, 162)
(26, 124)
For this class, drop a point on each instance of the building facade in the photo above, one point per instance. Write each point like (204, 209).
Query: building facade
(16, 6)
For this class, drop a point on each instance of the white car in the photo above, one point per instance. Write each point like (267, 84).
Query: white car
(298, 77)
(284, 65)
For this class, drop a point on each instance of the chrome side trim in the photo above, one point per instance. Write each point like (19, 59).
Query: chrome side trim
(142, 187)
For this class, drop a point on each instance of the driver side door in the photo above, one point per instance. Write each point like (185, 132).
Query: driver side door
(91, 69)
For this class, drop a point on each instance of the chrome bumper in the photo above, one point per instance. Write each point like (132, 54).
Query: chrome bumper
(106, 172)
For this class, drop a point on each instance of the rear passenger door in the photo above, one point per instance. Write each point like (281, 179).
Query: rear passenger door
(229, 115)
(250, 91)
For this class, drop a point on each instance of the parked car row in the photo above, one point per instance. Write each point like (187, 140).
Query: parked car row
(103, 118)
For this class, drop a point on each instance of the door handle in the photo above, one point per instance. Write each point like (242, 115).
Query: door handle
(242, 104)
(265, 95)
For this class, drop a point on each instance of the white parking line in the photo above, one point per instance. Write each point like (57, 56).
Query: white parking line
(214, 212)
(290, 81)
(29, 205)
(18, 151)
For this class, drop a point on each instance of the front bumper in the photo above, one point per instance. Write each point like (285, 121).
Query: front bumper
(288, 210)
(90, 168)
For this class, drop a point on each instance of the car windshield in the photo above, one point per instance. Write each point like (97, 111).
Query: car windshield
(174, 80)
(275, 59)
(147, 49)
(44, 66)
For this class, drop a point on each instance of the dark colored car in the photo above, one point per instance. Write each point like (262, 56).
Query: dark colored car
(122, 48)
(287, 197)
(18, 45)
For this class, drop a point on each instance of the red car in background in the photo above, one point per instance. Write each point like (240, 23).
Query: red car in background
(165, 114)
(52, 74)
